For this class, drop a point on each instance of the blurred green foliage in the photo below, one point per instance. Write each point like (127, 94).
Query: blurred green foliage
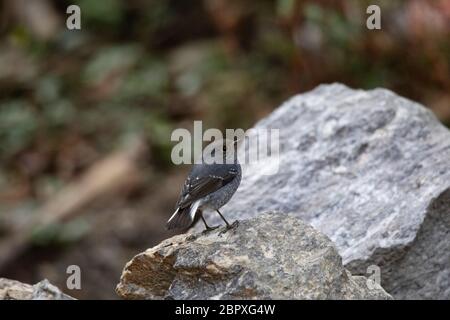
(18, 126)
(60, 233)
(146, 67)
(108, 13)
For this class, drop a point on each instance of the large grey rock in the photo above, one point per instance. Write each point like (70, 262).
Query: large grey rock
(371, 170)
(44, 290)
(274, 256)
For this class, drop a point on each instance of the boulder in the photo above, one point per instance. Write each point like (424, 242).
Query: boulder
(273, 256)
(369, 169)
(44, 290)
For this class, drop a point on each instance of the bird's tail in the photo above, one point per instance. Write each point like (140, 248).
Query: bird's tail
(182, 218)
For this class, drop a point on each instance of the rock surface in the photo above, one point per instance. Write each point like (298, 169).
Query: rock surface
(274, 256)
(44, 290)
(369, 169)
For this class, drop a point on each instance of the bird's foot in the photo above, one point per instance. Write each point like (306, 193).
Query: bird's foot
(208, 229)
(212, 228)
(229, 227)
(234, 224)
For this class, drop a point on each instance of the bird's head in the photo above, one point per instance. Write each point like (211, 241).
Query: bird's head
(221, 151)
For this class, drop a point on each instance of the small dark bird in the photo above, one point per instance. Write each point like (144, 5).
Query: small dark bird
(208, 186)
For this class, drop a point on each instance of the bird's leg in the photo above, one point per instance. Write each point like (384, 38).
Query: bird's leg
(208, 228)
(228, 225)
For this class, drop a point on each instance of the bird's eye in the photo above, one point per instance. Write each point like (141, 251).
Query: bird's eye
(224, 148)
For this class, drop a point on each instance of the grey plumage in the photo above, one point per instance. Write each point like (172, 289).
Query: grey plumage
(208, 186)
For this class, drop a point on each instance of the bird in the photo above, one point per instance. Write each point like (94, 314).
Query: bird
(209, 185)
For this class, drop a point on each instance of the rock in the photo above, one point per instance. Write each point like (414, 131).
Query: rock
(273, 256)
(369, 169)
(44, 290)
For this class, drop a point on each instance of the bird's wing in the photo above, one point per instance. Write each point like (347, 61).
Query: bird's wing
(197, 188)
